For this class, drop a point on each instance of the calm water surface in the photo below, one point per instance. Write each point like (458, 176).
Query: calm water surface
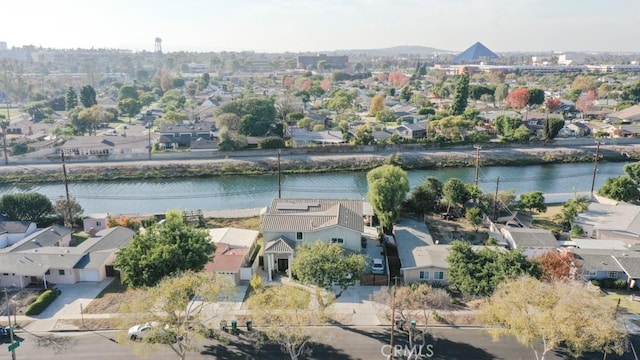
(236, 192)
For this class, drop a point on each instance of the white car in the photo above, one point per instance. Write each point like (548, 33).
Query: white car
(378, 266)
(141, 331)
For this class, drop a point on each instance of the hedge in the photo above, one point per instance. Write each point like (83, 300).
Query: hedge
(41, 302)
(615, 284)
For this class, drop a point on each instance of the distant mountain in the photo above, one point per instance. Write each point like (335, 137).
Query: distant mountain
(395, 51)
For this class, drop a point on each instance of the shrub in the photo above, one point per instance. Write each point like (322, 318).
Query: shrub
(41, 302)
(620, 284)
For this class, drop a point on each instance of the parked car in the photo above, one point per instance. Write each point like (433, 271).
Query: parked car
(142, 331)
(378, 266)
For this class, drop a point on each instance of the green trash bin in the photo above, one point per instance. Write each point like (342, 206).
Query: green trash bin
(234, 326)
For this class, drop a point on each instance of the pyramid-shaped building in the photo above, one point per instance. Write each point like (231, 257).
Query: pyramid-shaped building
(475, 52)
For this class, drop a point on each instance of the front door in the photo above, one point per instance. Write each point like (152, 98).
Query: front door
(283, 265)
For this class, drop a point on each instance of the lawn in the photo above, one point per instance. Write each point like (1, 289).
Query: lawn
(626, 305)
(269, 296)
(111, 298)
(545, 220)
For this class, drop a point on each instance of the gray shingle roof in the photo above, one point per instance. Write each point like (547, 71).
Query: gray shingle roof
(280, 246)
(630, 265)
(14, 227)
(601, 260)
(46, 237)
(310, 215)
(528, 237)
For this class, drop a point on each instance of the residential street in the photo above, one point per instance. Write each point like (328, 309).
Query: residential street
(335, 343)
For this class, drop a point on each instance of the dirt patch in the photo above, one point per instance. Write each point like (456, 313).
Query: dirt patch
(111, 298)
(445, 231)
(89, 324)
(251, 223)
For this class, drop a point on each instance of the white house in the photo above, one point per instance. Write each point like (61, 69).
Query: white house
(289, 222)
(14, 231)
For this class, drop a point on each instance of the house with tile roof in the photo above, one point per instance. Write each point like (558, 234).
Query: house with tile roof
(234, 250)
(286, 223)
(45, 257)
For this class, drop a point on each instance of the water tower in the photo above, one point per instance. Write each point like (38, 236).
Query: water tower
(158, 47)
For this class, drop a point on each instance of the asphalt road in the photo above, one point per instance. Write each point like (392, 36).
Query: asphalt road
(366, 343)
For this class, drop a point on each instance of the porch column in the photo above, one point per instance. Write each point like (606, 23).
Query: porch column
(290, 262)
(269, 265)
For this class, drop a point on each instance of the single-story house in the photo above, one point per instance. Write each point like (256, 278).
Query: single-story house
(631, 113)
(83, 146)
(45, 257)
(611, 222)
(234, 249)
(95, 222)
(303, 137)
(611, 264)
(420, 258)
(14, 231)
(532, 242)
(289, 222)
(174, 136)
(412, 131)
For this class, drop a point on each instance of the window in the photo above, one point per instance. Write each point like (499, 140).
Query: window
(98, 223)
(613, 274)
(60, 272)
(438, 275)
(589, 272)
(424, 275)
(298, 236)
(337, 240)
(5, 274)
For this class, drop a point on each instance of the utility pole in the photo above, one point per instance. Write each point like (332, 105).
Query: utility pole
(477, 147)
(6, 299)
(68, 220)
(4, 135)
(393, 318)
(279, 178)
(495, 201)
(595, 166)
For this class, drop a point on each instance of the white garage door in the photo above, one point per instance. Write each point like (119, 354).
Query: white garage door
(89, 275)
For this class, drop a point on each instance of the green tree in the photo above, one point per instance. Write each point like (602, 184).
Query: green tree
(478, 272)
(455, 192)
(68, 210)
(621, 188)
(533, 201)
(501, 92)
(205, 79)
(33, 207)
(180, 310)
(562, 314)
(536, 96)
(570, 210)
(263, 110)
(172, 100)
(147, 98)
(129, 106)
(552, 127)
(631, 93)
(175, 117)
(474, 217)
(326, 266)
(229, 120)
(88, 96)
(127, 92)
(363, 135)
(341, 100)
(425, 198)
(507, 125)
(461, 94)
(272, 142)
(71, 99)
(164, 249)
(388, 186)
(38, 110)
(406, 93)
(251, 126)
(386, 116)
(633, 171)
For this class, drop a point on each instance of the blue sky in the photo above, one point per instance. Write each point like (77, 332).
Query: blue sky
(305, 25)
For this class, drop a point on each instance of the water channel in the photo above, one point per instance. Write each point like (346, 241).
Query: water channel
(235, 192)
